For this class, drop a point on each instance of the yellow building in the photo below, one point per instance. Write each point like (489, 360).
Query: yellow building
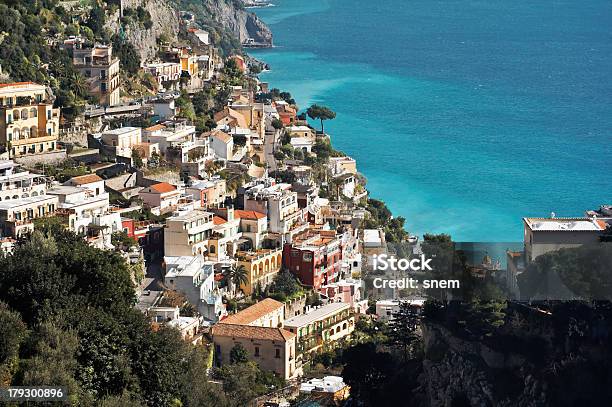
(28, 122)
(261, 266)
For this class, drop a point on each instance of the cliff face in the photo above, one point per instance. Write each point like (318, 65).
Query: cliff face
(242, 23)
(464, 371)
(165, 21)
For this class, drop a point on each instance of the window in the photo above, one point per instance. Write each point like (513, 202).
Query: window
(277, 355)
(256, 350)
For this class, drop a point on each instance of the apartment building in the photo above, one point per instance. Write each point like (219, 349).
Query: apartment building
(17, 184)
(209, 193)
(542, 235)
(123, 140)
(188, 234)
(323, 325)
(254, 226)
(162, 195)
(101, 70)
(195, 278)
(28, 122)
(169, 133)
(17, 216)
(261, 265)
(278, 202)
(163, 72)
(314, 256)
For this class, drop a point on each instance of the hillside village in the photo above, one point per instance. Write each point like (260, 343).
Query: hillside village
(242, 227)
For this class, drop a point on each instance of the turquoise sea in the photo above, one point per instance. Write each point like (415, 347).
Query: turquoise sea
(464, 115)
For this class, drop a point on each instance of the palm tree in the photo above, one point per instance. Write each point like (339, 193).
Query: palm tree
(238, 276)
(78, 84)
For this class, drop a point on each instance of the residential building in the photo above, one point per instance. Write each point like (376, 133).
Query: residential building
(222, 144)
(302, 143)
(195, 278)
(165, 109)
(188, 327)
(301, 131)
(262, 266)
(253, 225)
(169, 133)
(314, 256)
(164, 196)
(28, 122)
(349, 291)
(265, 313)
(286, 112)
(273, 349)
(229, 117)
(164, 72)
(188, 234)
(542, 235)
(278, 202)
(385, 309)
(328, 391)
(342, 165)
(16, 184)
(209, 193)
(323, 325)
(223, 243)
(17, 216)
(123, 140)
(101, 70)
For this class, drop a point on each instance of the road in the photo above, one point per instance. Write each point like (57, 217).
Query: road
(151, 286)
(269, 144)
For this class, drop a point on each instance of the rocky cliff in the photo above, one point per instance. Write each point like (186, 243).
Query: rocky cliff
(242, 23)
(463, 372)
(164, 19)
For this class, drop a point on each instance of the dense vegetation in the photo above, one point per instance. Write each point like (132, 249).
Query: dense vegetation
(67, 318)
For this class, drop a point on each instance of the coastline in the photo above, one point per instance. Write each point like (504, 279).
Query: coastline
(457, 133)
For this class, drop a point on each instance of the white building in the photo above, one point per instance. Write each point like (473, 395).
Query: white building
(222, 144)
(169, 133)
(278, 202)
(188, 234)
(123, 139)
(543, 235)
(195, 278)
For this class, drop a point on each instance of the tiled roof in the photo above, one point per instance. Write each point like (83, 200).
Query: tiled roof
(163, 187)
(86, 179)
(252, 332)
(248, 214)
(218, 220)
(254, 312)
(221, 136)
(156, 127)
(15, 84)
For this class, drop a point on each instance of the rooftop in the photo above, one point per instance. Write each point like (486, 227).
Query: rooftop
(122, 130)
(254, 312)
(86, 179)
(15, 203)
(565, 224)
(163, 187)
(317, 314)
(252, 332)
(241, 214)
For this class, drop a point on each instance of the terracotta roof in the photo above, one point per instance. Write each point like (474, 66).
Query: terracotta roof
(252, 332)
(163, 187)
(15, 84)
(155, 127)
(86, 179)
(238, 213)
(217, 220)
(254, 312)
(221, 136)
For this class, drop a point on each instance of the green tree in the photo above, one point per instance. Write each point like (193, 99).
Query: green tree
(277, 124)
(403, 329)
(322, 113)
(238, 354)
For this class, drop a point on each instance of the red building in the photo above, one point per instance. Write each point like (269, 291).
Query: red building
(314, 256)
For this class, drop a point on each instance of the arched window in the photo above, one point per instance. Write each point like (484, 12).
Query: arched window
(34, 193)
(16, 115)
(25, 133)
(33, 131)
(24, 113)
(212, 250)
(344, 326)
(33, 112)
